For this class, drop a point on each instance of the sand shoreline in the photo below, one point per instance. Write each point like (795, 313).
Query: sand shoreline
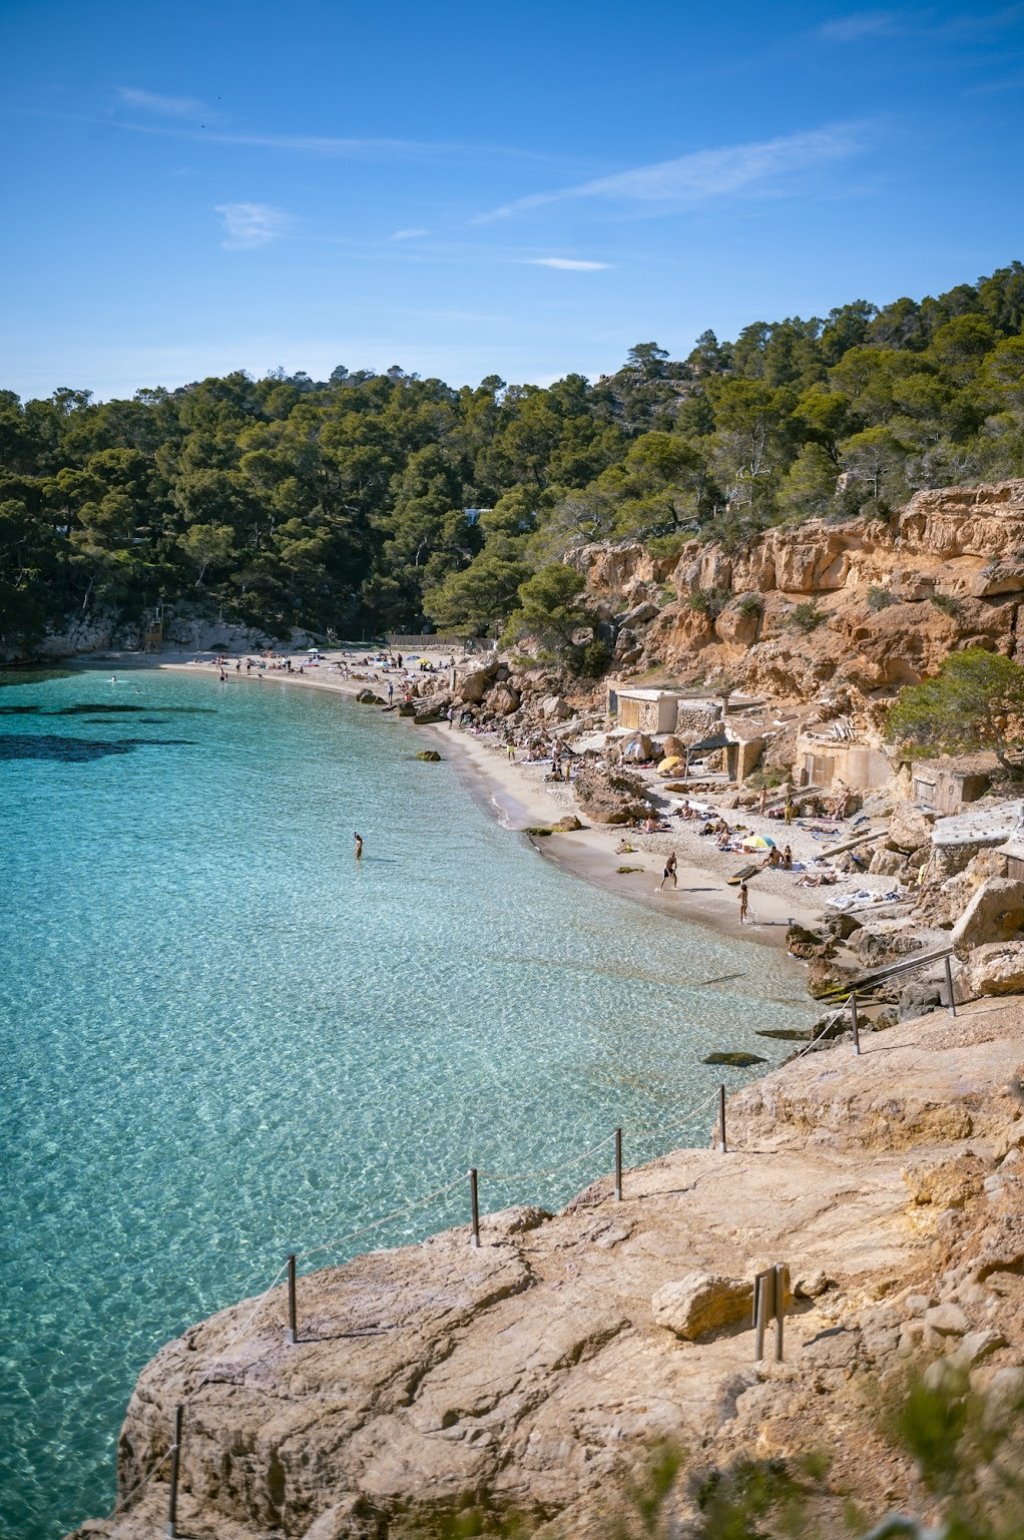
(517, 795)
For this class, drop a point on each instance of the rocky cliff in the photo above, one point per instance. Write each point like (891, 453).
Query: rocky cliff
(530, 1376)
(866, 605)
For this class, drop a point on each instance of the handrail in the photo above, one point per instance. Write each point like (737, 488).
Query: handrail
(879, 976)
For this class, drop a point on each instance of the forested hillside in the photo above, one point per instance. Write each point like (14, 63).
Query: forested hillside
(373, 501)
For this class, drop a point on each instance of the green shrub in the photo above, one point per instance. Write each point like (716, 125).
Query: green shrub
(876, 508)
(947, 603)
(880, 598)
(592, 660)
(751, 604)
(708, 601)
(806, 616)
(669, 545)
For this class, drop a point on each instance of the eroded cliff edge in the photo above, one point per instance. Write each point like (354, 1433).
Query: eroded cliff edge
(872, 585)
(531, 1376)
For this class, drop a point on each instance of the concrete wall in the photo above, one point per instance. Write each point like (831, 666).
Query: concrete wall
(648, 716)
(819, 762)
(945, 791)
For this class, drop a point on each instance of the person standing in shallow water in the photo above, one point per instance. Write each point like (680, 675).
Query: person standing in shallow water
(670, 871)
(359, 846)
(744, 902)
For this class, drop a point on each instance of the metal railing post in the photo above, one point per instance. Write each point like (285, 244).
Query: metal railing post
(950, 1001)
(293, 1325)
(172, 1501)
(474, 1207)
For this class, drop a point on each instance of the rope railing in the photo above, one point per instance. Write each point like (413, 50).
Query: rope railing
(376, 1224)
(669, 1128)
(122, 1502)
(289, 1267)
(530, 1176)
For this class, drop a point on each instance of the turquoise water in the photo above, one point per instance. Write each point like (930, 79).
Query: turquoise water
(223, 1040)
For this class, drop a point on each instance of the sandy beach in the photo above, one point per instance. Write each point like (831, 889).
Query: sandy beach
(519, 795)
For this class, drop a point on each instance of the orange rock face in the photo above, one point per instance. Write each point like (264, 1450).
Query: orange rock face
(865, 604)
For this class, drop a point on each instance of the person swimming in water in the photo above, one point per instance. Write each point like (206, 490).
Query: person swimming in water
(359, 846)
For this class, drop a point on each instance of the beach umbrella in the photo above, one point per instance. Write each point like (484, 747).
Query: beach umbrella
(759, 842)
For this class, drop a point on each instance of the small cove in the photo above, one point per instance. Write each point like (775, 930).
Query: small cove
(223, 1039)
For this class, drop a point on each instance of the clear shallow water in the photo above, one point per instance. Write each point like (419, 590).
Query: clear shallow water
(221, 1039)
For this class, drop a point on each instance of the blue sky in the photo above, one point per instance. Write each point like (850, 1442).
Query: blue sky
(525, 189)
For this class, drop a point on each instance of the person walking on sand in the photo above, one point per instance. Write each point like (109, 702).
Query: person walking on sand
(359, 846)
(391, 692)
(763, 803)
(670, 871)
(744, 902)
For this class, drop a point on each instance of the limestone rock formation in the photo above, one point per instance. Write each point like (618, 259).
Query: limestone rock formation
(995, 913)
(961, 545)
(530, 1376)
(701, 1303)
(996, 969)
(909, 828)
(611, 796)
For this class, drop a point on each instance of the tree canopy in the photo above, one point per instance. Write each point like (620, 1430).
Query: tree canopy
(975, 701)
(369, 501)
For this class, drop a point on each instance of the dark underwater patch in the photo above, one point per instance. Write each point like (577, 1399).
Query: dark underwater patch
(160, 743)
(54, 746)
(17, 711)
(95, 707)
(15, 676)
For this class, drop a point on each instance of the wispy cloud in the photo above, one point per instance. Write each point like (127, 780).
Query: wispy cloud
(924, 24)
(862, 24)
(248, 225)
(325, 145)
(151, 101)
(705, 174)
(408, 235)
(567, 264)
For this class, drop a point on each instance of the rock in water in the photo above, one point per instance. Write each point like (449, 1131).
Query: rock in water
(429, 756)
(736, 1060)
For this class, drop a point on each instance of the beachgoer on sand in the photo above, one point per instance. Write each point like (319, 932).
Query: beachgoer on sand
(787, 859)
(359, 846)
(670, 871)
(744, 902)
